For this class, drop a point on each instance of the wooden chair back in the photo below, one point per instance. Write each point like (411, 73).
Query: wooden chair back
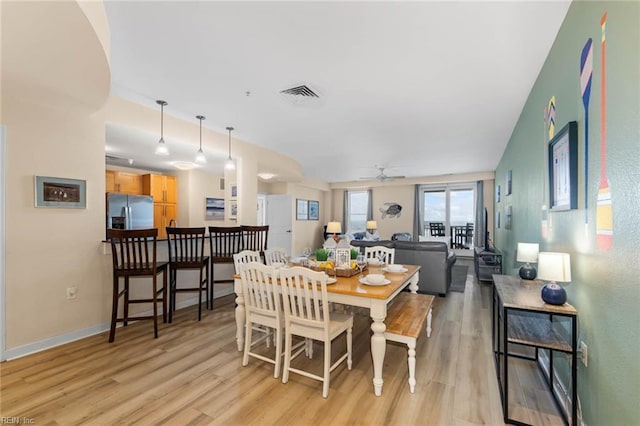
(260, 290)
(133, 251)
(224, 242)
(376, 252)
(255, 237)
(245, 256)
(275, 255)
(305, 300)
(186, 245)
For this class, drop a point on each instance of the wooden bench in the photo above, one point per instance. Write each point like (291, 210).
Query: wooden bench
(405, 319)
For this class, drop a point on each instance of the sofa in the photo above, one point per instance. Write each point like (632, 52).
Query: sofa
(434, 257)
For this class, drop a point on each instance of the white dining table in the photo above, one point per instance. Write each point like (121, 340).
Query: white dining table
(350, 291)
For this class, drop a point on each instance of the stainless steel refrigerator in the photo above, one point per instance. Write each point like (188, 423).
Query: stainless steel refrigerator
(129, 211)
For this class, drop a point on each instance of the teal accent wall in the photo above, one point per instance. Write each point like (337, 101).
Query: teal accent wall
(605, 286)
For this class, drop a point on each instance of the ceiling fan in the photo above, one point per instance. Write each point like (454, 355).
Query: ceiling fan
(382, 177)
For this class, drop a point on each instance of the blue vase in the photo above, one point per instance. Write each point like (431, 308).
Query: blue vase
(554, 294)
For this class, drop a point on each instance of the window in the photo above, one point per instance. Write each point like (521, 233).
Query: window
(357, 210)
(451, 207)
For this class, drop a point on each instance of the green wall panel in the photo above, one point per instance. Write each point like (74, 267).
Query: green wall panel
(605, 285)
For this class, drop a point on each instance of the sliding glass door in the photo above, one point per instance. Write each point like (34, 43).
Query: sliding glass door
(449, 211)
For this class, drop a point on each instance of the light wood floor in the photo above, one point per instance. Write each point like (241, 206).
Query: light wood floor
(192, 374)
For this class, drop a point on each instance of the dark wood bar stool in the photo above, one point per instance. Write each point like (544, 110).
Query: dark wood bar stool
(186, 252)
(134, 255)
(224, 242)
(255, 238)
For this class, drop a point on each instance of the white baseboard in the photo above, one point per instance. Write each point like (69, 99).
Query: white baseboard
(52, 342)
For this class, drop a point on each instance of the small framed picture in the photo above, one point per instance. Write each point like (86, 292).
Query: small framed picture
(498, 194)
(508, 183)
(563, 168)
(233, 191)
(233, 209)
(314, 207)
(343, 258)
(302, 209)
(507, 217)
(60, 192)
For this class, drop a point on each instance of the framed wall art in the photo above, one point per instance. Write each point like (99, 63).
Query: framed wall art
(302, 209)
(214, 209)
(563, 168)
(60, 192)
(233, 209)
(507, 217)
(314, 210)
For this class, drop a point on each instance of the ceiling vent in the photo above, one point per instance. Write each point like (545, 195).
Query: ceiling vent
(301, 94)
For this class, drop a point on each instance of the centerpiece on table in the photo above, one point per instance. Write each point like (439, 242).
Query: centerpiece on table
(343, 260)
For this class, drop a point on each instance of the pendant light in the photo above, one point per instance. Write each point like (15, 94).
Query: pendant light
(229, 164)
(200, 158)
(162, 149)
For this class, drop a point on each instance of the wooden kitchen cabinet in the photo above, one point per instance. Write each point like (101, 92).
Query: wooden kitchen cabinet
(163, 189)
(123, 182)
(162, 215)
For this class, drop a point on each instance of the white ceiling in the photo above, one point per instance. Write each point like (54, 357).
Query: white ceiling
(423, 88)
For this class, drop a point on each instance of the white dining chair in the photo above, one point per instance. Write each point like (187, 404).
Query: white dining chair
(263, 307)
(245, 256)
(275, 255)
(307, 314)
(388, 254)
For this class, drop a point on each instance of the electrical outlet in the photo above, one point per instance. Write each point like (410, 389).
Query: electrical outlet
(582, 351)
(72, 292)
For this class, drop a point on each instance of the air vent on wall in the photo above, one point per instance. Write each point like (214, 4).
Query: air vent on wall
(112, 159)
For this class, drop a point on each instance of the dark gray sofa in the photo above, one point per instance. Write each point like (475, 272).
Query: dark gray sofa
(434, 258)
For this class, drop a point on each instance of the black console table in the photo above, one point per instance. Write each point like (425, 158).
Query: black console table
(520, 317)
(487, 263)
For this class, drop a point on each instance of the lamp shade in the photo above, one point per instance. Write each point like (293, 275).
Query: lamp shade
(528, 252)
(334, 228)
(371, 224)
(554, 266)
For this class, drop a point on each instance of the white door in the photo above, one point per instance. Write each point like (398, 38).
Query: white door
(278, 217)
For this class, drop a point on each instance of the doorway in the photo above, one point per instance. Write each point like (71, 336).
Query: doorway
(450, 209)
(279, 218)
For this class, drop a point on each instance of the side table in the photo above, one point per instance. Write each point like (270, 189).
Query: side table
(521, 317)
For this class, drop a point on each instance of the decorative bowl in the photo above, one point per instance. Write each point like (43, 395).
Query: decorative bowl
(375, 278)
(395, 267)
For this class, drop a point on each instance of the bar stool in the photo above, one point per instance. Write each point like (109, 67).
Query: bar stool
(255, 238)
(224, 242)
(186, 252)
(134, 255)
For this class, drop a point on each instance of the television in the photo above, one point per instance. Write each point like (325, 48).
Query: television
(485, 229)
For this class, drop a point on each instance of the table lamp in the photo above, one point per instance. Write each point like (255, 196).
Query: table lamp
(372, 226)
(528, 252)
(554, 267)
(334, 228)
